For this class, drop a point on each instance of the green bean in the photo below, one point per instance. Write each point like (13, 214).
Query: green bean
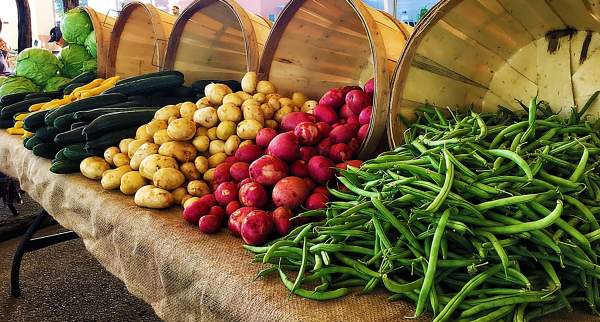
(276, 246)
(497, 247)
(341, 248)
(588, 103)
(528, 226)
(507, 201)
(580, 166)
(402, 229)
(583, 209)
(439, 199)
(515, 158)
(318, 296)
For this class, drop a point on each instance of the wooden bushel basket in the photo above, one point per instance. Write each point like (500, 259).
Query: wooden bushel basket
(216, 39)
(316, 45)
(489, 53)
(103, 26)
(139, 40)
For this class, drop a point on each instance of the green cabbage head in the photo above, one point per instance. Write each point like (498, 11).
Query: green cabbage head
(90, 44)
(37, 64)
(17, 84)
(55, 83)
(73, 57)
(2, 79)
(76, 26)
(90, 66)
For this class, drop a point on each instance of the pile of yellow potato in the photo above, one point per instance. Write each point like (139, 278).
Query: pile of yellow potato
(172, 158)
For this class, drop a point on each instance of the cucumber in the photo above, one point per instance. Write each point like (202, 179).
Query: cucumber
(71, 87)
(33, 141)
(35, 120)
(118, 120)
(78, 124)
(22, 106)
(64, 167)
(13, 98)
(46, 134)
(60, 155)
(46, 150)
(183, 91)
(150, 75)
(89, 103)
(84, 78)
(88, 116)
(76, 152)
(70, 137)
(64, 122)
(5, 124)
(147, 85)
(25, 141)
(159, 101)
(109, 139)
(129, 103)
(52, 95)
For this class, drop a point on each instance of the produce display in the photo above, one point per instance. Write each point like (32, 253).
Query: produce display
(476, 217)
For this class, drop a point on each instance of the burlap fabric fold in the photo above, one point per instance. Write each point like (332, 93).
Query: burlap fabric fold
(183, 274)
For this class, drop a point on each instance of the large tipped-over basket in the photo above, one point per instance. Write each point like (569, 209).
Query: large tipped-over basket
(139, 40)
(103, 26)
(216, 39)
(319, 44)
(489, 53)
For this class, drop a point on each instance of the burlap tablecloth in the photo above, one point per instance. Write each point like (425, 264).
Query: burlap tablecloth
(183, 274)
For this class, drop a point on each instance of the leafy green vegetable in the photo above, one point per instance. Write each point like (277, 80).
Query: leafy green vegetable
(2, 79)
(17, 84)
(76, 26)
(73, 57)
(90, 65)
(38, 65)
(55, 83)
(90, 44)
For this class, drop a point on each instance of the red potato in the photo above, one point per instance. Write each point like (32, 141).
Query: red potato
(284, 146)
(264, 137)
(221, 173)
(341, 122)
(289, 122)
(267, 170)
(243, 182)
(282, 220)
(307, 133)
(345, 111)
(362, 132)
(256, 227)
(232, 206)
(324, 146)
(321, 189)
(231, 159)
(289, 192)
(226, 192)
(352, 163)
(324, 129)
(316, 201)
(253, 194)
(210, 224)
(310, 185)
(235, 219)
(334, 98)
(340, 152)
(325, 113)
(370, 87)
(306, 152)
(343, 133)
(354, 145)
(357, 100)
(347, 89)
(320, 169)
(365, 115)
(353, 120)
(239, 171)
(249, 153)
(298, 169)
(219, 212)
(198, 208)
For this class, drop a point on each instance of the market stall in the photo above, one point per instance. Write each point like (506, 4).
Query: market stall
(103, 25)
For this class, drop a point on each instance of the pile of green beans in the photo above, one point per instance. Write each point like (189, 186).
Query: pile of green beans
(477, 217)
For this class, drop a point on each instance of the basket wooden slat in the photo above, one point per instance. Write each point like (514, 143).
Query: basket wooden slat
(139, 40)
(489, 53)
(316, 45)
(103, 26)
(216, 39)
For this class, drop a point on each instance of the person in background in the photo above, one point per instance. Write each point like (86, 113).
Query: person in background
(3, 56)
(175, 10)
(56, 37)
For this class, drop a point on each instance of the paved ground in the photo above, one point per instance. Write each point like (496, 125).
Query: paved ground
(65, 283)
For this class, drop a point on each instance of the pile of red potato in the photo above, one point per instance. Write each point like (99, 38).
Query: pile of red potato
(258, 191)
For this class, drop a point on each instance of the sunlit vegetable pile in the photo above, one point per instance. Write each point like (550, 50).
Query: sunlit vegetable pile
(476, 216)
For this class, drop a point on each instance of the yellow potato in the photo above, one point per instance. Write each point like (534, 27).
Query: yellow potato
(231, 145)
(123, 144)
(283, 111)
(226, 129)
(201, 131)
(249, 82)
(131, 182)
(111, 179)
(182, 129)
(216, 146)
(153, 197)
(265, 87)
(212, 133)
(162, 137)
(172, 118)
(154, 126)
(141, 153)
(201, 164)
(216, 93)
(253, 112)
(246, 142)
(309, 106)
(167, 112)
(189, 171)
(201, 143)
(216, 159)
(250, 102)
(93, 167)
(168, 179)
(273, 96)
(182, 151)
(155, 162)
(286, 101)
(209, 175)
(229, 112)
(187, 110)
(142, 134)
(267, 111)
(232, 98)
(299, 98)
(133, 146)
(203, 102)
(260, 98)
(243, 95)
(198, 188)
(120, 159)
(206, 117)
(188, 200)
(178, 195)
(110, 153)
(247, 129)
